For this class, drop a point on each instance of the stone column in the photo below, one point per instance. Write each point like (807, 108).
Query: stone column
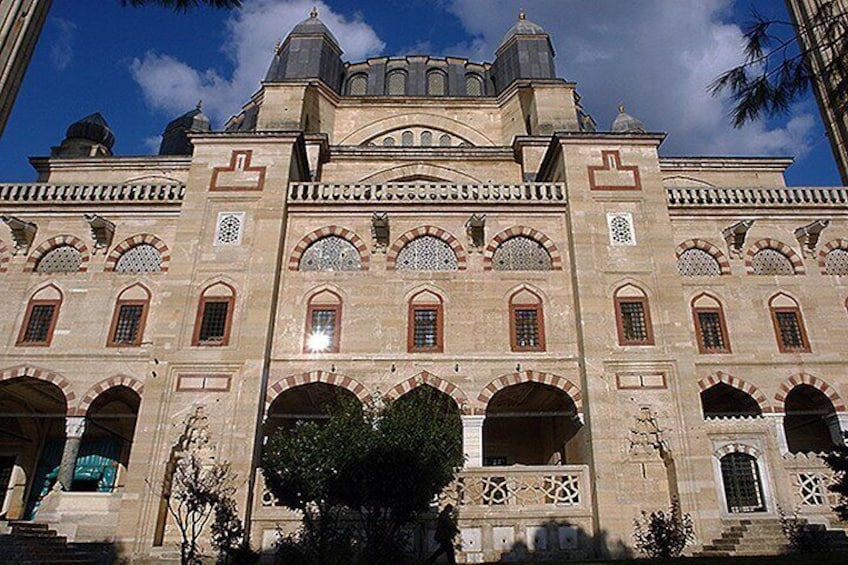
(837, 424)
(74, 430)
(472, 440)
(779, 431)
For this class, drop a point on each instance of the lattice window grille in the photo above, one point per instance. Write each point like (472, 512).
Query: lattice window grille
(331, 253)
(426, 253)
(811, 489)
(521, 253)
(230, 228)
(426, 139)
(836, 262)
(473, 85)
(771, 262)
(397, 83)
(62, 259)
(445, 141)
(698, 263)
(435, 83)
(621, 230)
(143, 258)
(358, 86)
(407, 139)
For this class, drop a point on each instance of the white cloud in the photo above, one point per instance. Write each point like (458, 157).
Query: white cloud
(656, 56)
(173, 86)
(62, 46)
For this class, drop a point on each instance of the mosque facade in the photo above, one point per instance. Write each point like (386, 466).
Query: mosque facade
(615, 328)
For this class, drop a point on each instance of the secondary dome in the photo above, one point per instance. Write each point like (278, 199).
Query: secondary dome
(625, 123)
(523, 27)
(313, 26)
(92, 128)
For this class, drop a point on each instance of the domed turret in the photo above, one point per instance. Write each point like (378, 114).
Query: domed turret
(310, 51)
(89, 137)
(526, 52)
(625, 123)
(175, 137)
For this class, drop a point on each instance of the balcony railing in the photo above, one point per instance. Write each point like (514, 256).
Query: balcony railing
(561, 486)
(321, 193)
(84, 193)
(818, 197)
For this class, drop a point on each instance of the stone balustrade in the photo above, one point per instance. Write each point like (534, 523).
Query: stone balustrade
(322, 193)
(816, 197)
(84, 193)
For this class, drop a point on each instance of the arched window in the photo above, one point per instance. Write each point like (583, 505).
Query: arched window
(214, 316)
(526, 321)
(389, 142)
(445, 141)
(426, 138)
(40, 318)
(805, 420)
(323, 323)
(436, 83)
(521, 253)
(143, 258)
(61, 259)
(396, 83)
(407, 139)
(129, 318)
(836, 262)
(426, 253)
(788, 325)
(724, 401)
(473, 85)
(357, 85)
(425, 323)
(698, 263)
(331, 253)
(743, 489)
(710, 327)
(771, 262)
(633, 316)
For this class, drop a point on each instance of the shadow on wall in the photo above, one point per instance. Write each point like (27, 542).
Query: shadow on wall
(19, 547)
(561, 540)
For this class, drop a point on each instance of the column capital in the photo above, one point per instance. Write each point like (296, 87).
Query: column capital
(472, 420)
(75, 426)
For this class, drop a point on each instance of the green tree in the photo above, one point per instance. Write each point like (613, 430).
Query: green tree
(376, 470)
(837, 460)
(776, 71)
(184, 5)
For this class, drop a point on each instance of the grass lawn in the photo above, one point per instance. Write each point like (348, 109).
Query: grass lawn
(792, 559)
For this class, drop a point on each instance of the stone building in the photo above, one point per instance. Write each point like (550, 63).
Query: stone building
(615, 328)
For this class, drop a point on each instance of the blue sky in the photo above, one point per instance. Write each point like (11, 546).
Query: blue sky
(142, 67)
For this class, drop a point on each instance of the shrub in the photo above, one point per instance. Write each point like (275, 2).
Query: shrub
(663, 535)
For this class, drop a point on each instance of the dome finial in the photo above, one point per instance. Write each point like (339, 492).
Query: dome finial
(522, 15)
(621, 107)
(314, 13)
(200, 104)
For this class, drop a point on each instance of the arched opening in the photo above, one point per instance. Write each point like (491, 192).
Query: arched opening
(805, 421)
(32, 437)
(724, 401)
(531, 424)
(105, 449)
(311, 402)
(743, 487)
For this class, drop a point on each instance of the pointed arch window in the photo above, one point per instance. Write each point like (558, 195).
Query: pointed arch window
(426, 323)
(527, 321)
(633, 316)
(357, 85)
(129, 318)
(214, 316)
(788, 324)
(743, 489)
(710, 326)
(40, 318)
(323, 323)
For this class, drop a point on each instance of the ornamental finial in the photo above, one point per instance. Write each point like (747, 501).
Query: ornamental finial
(522, 15)
(314, 13)
(621, 107)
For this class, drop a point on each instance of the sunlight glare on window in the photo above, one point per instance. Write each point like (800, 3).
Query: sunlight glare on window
(318, 342)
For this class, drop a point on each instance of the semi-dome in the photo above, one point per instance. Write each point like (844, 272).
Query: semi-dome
(625, 123)
(92, 128)
(523, 27)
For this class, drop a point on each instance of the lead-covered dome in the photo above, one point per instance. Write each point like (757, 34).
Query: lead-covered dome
(625, 123)
(523, 27)
(92, 128)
